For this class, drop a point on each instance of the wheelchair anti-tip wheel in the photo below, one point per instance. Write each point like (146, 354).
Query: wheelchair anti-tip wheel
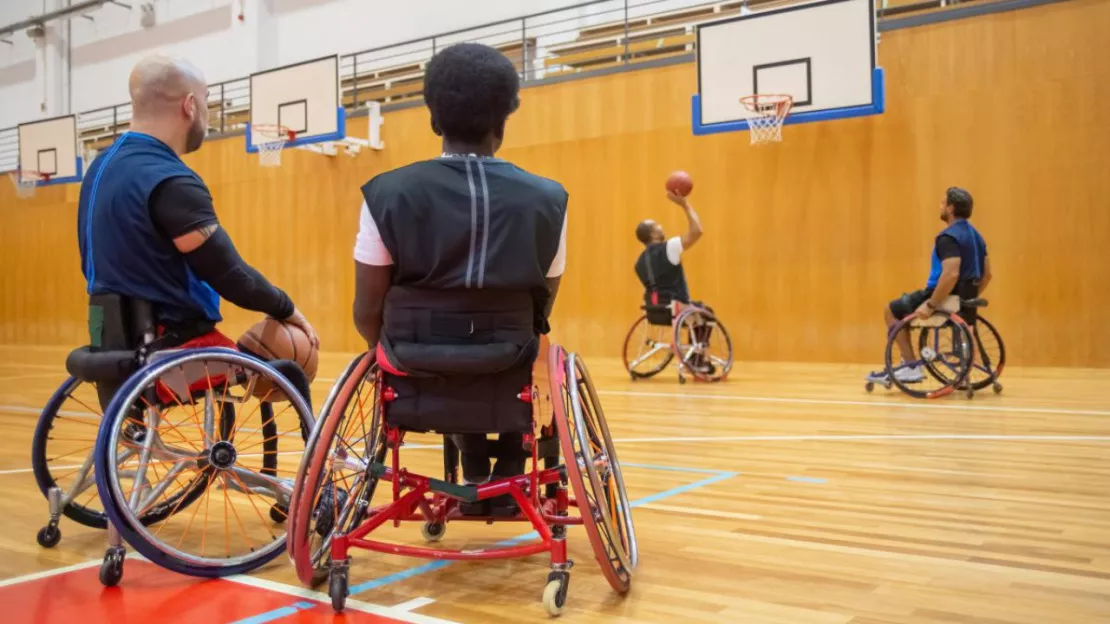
(943, 357)
(702, 344)
(990, 356)
(333, 478)
(647, 349)
(187, 433)
(593, 470)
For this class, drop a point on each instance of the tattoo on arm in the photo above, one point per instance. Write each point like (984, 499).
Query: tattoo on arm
(207, 231)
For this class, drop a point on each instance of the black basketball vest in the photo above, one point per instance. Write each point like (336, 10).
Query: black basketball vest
(663, 282)
(481, 228)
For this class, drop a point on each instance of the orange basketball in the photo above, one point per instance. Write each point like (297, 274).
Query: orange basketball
(271, 339)
(680, 183)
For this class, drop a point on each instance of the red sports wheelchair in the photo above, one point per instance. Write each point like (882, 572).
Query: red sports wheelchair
(356, 444)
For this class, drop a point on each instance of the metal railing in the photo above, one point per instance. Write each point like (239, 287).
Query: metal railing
(591, 36)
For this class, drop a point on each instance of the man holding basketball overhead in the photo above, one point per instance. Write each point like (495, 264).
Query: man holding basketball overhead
(458, 260)
(659, 266)
(146, 225)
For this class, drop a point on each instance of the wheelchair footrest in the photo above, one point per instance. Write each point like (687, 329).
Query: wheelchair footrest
(465, 493)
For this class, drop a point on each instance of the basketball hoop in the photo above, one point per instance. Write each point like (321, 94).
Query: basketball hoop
(271, 140)
(26, 182)
(770, 111)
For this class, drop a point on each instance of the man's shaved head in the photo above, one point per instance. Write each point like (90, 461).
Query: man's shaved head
(170, 90)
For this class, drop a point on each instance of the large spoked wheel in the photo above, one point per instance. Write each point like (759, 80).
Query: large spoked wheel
(592, 468)
(196, 429)
(990, 355)
(334, 485)
(702, 344)
(944, 351)
(62, 451)
(647, 349)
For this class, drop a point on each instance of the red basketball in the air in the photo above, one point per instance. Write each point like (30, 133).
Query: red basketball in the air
(680, 183)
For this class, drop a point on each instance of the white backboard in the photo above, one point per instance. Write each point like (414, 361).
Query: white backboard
(303, 98)
(49, 147)
(823, 54)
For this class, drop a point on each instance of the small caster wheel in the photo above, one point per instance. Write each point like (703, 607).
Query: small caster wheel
(555, 593)
(279, 512)
(49, 536)
(111, 570)
(997, 388)
(869, 386)
(632, 377)
(337, 589)
(433, 531)
(970, 393)
(681, 379)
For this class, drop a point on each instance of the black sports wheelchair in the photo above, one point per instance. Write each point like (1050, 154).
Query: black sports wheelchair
(689, 332)
(184, 450)
(951, 354)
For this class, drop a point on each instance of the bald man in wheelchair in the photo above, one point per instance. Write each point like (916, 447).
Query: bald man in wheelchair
(457, 264)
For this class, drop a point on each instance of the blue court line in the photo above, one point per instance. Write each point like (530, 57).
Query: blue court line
(808, 479)
(678, 468)
(270, 616)
(436, 565)
(718, 475)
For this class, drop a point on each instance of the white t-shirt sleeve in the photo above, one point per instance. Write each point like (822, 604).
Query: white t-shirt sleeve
(674, 250)
(559, 264)
(369, 248)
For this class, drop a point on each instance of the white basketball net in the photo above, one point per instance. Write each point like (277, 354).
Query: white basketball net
(272, 140)
(769, 111)
(25, 183)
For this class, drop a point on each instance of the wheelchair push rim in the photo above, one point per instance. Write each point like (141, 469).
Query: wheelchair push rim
(237, 474)
(595, 477)
(313, 498)
(704, 360)
(643, 364)
(947, 363)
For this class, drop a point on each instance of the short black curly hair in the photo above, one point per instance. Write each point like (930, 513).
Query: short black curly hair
(961, 202)
(471, 89)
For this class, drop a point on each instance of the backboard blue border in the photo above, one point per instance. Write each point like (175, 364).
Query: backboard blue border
(877, 107)
(78, 167)
(338, 135)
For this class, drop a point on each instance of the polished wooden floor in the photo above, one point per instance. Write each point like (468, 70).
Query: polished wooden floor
(786, 495)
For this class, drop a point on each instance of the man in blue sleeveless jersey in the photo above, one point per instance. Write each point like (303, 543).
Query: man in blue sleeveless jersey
(146, 225)
(462, 255)
(960, 266)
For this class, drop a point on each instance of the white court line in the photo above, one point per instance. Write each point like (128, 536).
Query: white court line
(32, 376)
(919, 405)
(690, 511)
(357, 605)
(48, 573)
(414, 604)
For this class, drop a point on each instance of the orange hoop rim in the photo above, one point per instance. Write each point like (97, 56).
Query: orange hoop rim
(274, 132)
(31, 176)
(777, 100)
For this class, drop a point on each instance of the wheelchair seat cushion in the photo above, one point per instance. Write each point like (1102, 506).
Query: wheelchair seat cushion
(98, 366)
(431, 359)
(658, 314)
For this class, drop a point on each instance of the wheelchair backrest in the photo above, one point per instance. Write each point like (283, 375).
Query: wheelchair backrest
(659, 314)
(119, 323)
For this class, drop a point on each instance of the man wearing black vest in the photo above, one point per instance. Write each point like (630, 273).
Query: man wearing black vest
(458, 257)
(659, 266)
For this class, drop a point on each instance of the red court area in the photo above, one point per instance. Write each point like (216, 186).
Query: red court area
(151, 594)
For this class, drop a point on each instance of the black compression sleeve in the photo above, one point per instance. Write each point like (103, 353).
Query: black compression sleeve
(947, 247)
(219, 263)
(181, 205)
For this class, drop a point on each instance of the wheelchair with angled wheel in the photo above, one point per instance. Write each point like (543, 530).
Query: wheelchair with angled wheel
(549, 411)
(689, 334)
(170, 440)
(950, 354)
